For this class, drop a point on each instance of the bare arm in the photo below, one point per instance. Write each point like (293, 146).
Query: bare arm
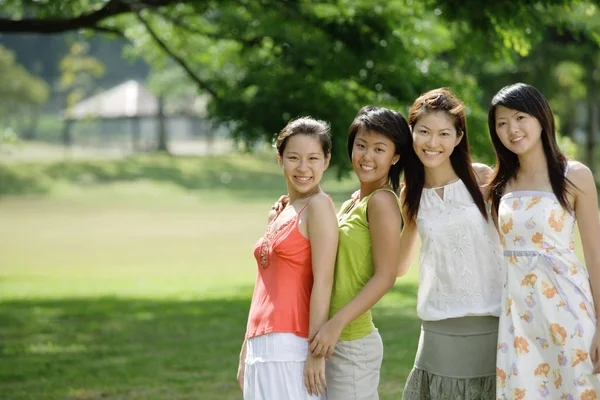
(322, 229)
(408, 243)
(484, 174)
(323, 235)
(242, 365)
(586, 213)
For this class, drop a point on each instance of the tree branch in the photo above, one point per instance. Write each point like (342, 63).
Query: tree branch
(59, 25)
(112, 31)
(176, 58)
(90, 20)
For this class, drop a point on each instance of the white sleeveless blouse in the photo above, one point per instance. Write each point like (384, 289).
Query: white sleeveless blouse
(461, 268)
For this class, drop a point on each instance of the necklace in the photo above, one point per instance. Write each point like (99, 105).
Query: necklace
(265, 248)
(304, 196)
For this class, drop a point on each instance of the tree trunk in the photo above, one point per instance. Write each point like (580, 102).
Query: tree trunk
(135, 134)
(67, 138)
(162, 129)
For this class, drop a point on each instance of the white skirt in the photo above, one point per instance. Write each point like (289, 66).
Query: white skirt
(275, 368)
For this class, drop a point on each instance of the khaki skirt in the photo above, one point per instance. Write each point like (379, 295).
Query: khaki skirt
(456, 359)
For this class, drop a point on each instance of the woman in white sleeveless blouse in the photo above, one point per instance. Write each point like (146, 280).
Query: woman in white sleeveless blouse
(460, 264)
(548, 343)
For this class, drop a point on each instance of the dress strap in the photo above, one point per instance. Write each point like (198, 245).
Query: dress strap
(303, 208)
(567, 167)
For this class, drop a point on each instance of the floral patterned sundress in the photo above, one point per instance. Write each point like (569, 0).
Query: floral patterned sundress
(548, 319)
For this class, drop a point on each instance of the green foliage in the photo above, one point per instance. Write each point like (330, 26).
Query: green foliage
(24, 90)
(266, 62)
(78, 72)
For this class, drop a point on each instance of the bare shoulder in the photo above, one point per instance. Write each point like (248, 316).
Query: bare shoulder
(383, 200)
(581, 176)
(319, 203)
(483, 172)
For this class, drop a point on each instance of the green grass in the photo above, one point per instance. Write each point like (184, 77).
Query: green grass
(132, 278)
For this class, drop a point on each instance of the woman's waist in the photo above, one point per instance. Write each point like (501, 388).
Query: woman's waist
(360, 327)
(268, 309)
(450, 310)
(276, 347)
(541, 250)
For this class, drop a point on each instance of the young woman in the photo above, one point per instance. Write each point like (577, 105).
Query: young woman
(295, 258)
(368, 254)
(548, 340)
(460, 265)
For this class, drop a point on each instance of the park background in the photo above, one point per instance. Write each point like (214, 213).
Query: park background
(136, 166)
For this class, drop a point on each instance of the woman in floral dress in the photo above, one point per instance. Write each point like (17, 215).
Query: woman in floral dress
(547, 342)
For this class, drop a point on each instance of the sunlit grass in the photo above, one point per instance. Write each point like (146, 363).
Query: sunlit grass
(123, 287)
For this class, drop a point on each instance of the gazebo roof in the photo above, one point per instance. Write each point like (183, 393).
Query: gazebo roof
(129, 99)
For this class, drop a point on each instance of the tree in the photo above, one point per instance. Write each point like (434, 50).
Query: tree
(27, 93)
(78, 71)
(265, 62)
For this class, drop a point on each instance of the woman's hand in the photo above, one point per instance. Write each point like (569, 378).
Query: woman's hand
(281, 203)
(314, 375)
(240, 374)
(242, 365)
(595, 352)
(323, 343)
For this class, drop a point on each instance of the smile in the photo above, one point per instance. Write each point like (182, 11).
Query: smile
(432, 153)
(366, 167)
(303, 178)
(518, 139)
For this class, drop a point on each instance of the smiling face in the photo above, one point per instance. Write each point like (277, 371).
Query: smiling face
(303, 163)
(518, 131)
(434, 139)
(373, 154)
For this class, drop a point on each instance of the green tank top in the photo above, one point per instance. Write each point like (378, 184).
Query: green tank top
(354, 265)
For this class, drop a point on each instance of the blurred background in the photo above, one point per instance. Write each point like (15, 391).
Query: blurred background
(137, 168)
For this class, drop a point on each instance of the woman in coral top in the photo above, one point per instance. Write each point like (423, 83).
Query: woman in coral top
(296, 259)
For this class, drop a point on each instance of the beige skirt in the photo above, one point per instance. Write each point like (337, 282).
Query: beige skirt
(456, 359)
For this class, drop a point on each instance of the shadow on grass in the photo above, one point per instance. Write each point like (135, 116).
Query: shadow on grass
(151, 349)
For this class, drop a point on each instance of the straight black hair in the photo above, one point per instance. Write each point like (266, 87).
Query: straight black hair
(526, 98)
(445, 101)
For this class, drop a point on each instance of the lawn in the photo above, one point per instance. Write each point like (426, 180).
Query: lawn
(131, 278)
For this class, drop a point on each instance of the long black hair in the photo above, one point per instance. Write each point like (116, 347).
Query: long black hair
(390, 124)
(525, 98)
(443, 100)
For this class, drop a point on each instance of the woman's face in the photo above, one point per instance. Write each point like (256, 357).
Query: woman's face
(303, 163)
(434, 138)
(518, 131)
(373, 154)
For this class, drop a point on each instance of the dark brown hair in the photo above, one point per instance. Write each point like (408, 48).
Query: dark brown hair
(525, 98)
(445, 101)
(305, 126)
(393, 126)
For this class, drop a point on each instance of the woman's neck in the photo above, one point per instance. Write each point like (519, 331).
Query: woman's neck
(296, 196)
(366, 188)
(532, 161)
(439, 176)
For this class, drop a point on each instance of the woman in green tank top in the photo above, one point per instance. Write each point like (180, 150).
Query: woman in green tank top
(379, 145)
